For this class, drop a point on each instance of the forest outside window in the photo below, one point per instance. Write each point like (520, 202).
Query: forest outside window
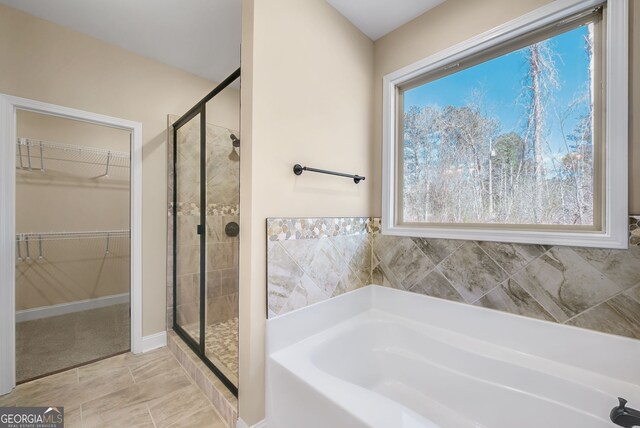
(511, 138)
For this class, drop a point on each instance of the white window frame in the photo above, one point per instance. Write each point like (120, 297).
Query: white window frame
(615, 229)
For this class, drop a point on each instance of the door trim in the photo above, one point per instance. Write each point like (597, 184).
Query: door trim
(8, 106)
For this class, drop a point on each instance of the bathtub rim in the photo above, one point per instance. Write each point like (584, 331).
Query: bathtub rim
(606, 354)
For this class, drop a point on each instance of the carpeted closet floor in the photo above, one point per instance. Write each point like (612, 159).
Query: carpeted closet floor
(49, 345)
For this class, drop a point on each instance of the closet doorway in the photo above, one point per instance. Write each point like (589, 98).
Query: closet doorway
(70, 261)
(72, 243)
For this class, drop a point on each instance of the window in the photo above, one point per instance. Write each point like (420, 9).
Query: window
(508, 139)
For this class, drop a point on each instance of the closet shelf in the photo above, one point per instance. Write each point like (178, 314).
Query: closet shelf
(30, 244)
(49, 236)
(37, 155)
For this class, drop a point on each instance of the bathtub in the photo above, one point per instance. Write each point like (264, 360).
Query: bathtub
(379, 357)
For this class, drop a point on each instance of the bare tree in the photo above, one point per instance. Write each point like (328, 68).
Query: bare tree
(458, 168)
(541, 80)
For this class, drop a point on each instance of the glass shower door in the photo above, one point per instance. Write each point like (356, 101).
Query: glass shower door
(223, 198)
(206, 192)
(187, 157)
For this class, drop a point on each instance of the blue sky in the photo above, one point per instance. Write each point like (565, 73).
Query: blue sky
(501, 81)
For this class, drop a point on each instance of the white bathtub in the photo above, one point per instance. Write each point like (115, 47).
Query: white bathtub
(379, 357)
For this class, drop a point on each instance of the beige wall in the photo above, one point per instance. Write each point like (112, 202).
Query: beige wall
(72, 270)
(47, 62)
(457, 20)
(634, 112)
(306, 98)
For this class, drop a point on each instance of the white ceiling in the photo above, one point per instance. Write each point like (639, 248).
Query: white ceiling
(375, 18)
(199, 36)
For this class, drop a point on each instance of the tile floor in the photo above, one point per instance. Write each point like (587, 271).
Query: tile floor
(214, 390)
(147, 390)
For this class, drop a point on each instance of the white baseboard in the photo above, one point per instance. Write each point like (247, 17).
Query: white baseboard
(243, 424)
(154, 341)
(68, 308)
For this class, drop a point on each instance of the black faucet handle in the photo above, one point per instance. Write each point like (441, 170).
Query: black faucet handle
(625, 416)
(622, 402)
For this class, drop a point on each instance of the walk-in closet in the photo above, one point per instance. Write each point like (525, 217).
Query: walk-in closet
(72, 288)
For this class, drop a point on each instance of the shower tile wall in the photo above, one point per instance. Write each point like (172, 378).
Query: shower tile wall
(222, 208)
(223, 198)
(597, 289)
(188, 217)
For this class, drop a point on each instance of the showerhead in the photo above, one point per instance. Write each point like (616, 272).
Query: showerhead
(234, 156)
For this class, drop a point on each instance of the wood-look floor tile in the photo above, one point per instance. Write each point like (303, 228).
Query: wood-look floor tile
(203, 418)
(104, 394)
(69, 377)
(72, 418)
(174, 406)
(55, 390)
(135, 395)
(634, 293)
(55, 397)
(135, 361)
(123, 416)
(161, 364)
(8, 400)
(99, 385)
(102, 368)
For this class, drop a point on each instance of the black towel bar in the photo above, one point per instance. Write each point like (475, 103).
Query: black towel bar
(297, 170)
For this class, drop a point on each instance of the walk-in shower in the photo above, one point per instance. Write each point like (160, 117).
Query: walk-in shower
(205, 188)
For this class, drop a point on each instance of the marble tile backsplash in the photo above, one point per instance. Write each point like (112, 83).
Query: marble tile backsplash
(598, 289)
(310, 260)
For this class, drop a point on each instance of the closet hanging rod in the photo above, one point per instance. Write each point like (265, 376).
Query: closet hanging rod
(49, 236)
(297, 170)
(28, 142)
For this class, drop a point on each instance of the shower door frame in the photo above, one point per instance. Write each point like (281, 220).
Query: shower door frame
(197, 110)
(8, 106)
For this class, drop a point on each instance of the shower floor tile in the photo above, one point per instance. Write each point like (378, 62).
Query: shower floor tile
(221, 346)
